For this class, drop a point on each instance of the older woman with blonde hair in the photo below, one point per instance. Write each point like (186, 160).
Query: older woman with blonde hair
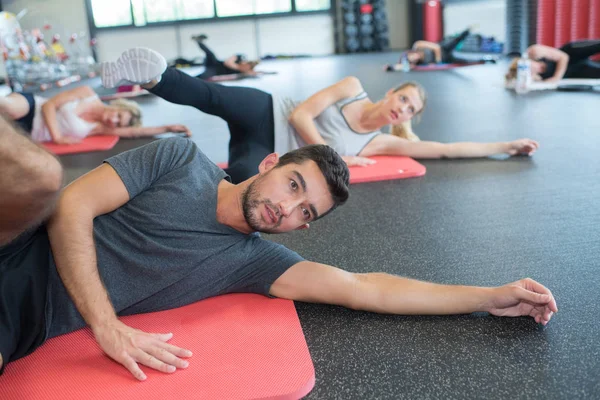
(74, 114)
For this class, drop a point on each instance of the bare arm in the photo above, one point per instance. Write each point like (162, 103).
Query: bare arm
(423, 44)
(71, 237)
(388, 294)
(302, 117)
(49, 109)
(142, 131)
(538, 51)
(393, 145)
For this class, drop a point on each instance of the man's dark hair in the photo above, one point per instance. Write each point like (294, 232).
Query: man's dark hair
(333, 168)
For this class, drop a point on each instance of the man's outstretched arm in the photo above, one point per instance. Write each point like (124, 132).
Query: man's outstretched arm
(383, 293)
(71, 236)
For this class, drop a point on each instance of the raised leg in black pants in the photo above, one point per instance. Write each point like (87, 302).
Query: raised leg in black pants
(210, 59)
(580, 65)
(448, 45)
(247, 111)
(581, 49)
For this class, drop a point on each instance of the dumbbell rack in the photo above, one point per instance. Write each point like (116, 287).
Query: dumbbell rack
(521, 17)
(362, 26)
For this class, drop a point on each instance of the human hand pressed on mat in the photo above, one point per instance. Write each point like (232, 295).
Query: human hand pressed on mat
(358, 161)
(130, 347)
(67, 140)
(178, 128)
(523, 147)
(523, 298)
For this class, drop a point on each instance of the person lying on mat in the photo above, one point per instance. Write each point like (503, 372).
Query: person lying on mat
(161, 226)
(573, 60)
(424, 52)
(74, 114)
(341, 116)
(236, 64)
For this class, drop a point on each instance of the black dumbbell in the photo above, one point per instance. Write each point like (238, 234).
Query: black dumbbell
(351, 30)
(367, 43)
(366, 18)
(383, 43)
(379, 15)
(381, 26)
(348, 5)
(366, 30)
(352, 44)
(350, 18)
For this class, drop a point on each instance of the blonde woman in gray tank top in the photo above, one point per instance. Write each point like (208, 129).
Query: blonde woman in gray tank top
(357, 132)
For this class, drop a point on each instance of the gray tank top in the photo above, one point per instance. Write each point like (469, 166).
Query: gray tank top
(428, 56)
(331, 124)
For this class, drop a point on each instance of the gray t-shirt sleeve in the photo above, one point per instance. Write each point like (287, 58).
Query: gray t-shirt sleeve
(267, 262)
(141, 167)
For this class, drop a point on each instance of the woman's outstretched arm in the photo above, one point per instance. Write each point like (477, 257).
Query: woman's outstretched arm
(392, 145)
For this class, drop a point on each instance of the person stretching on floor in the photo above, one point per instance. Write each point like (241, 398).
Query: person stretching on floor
(424, 52)
(341, 116)
(74, 114)
(161, 226)
(213, 66)
(570, 61)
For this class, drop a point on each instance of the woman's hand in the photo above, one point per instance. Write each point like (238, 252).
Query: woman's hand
(178, 128)
(67, 140)
(358, 161)
(524, 298)
(522, 147)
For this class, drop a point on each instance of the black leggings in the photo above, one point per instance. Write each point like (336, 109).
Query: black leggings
(26, 122)
(448, 45)
(213, 66)
(580, 65)
(247, 111)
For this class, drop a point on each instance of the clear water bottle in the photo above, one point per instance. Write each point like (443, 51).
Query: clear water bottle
(405, 63)
(523, 75)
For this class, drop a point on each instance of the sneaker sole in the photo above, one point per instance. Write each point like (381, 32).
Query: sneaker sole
(138, 65)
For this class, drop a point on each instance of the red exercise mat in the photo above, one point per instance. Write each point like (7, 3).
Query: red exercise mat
(124, 94)
(245, 346)
(90, 143)
(386, 168)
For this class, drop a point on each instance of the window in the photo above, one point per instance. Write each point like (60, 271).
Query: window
(113, 13)
(312, 5)
(230, 8)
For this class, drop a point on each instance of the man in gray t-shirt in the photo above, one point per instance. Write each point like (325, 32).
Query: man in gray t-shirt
(161, 226)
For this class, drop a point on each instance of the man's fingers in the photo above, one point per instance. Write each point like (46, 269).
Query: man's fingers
(129, 363)
(163, 337)
(178, 351)
(150, 361)
(167, 357)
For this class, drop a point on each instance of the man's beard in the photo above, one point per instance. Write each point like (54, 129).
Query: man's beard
(250, 203)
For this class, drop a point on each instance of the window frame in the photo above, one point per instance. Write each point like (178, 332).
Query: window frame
(214, 18)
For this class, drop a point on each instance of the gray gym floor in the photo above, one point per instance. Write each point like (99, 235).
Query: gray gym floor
(477, 222)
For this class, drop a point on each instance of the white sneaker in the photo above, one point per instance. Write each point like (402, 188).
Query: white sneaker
(138, 65)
